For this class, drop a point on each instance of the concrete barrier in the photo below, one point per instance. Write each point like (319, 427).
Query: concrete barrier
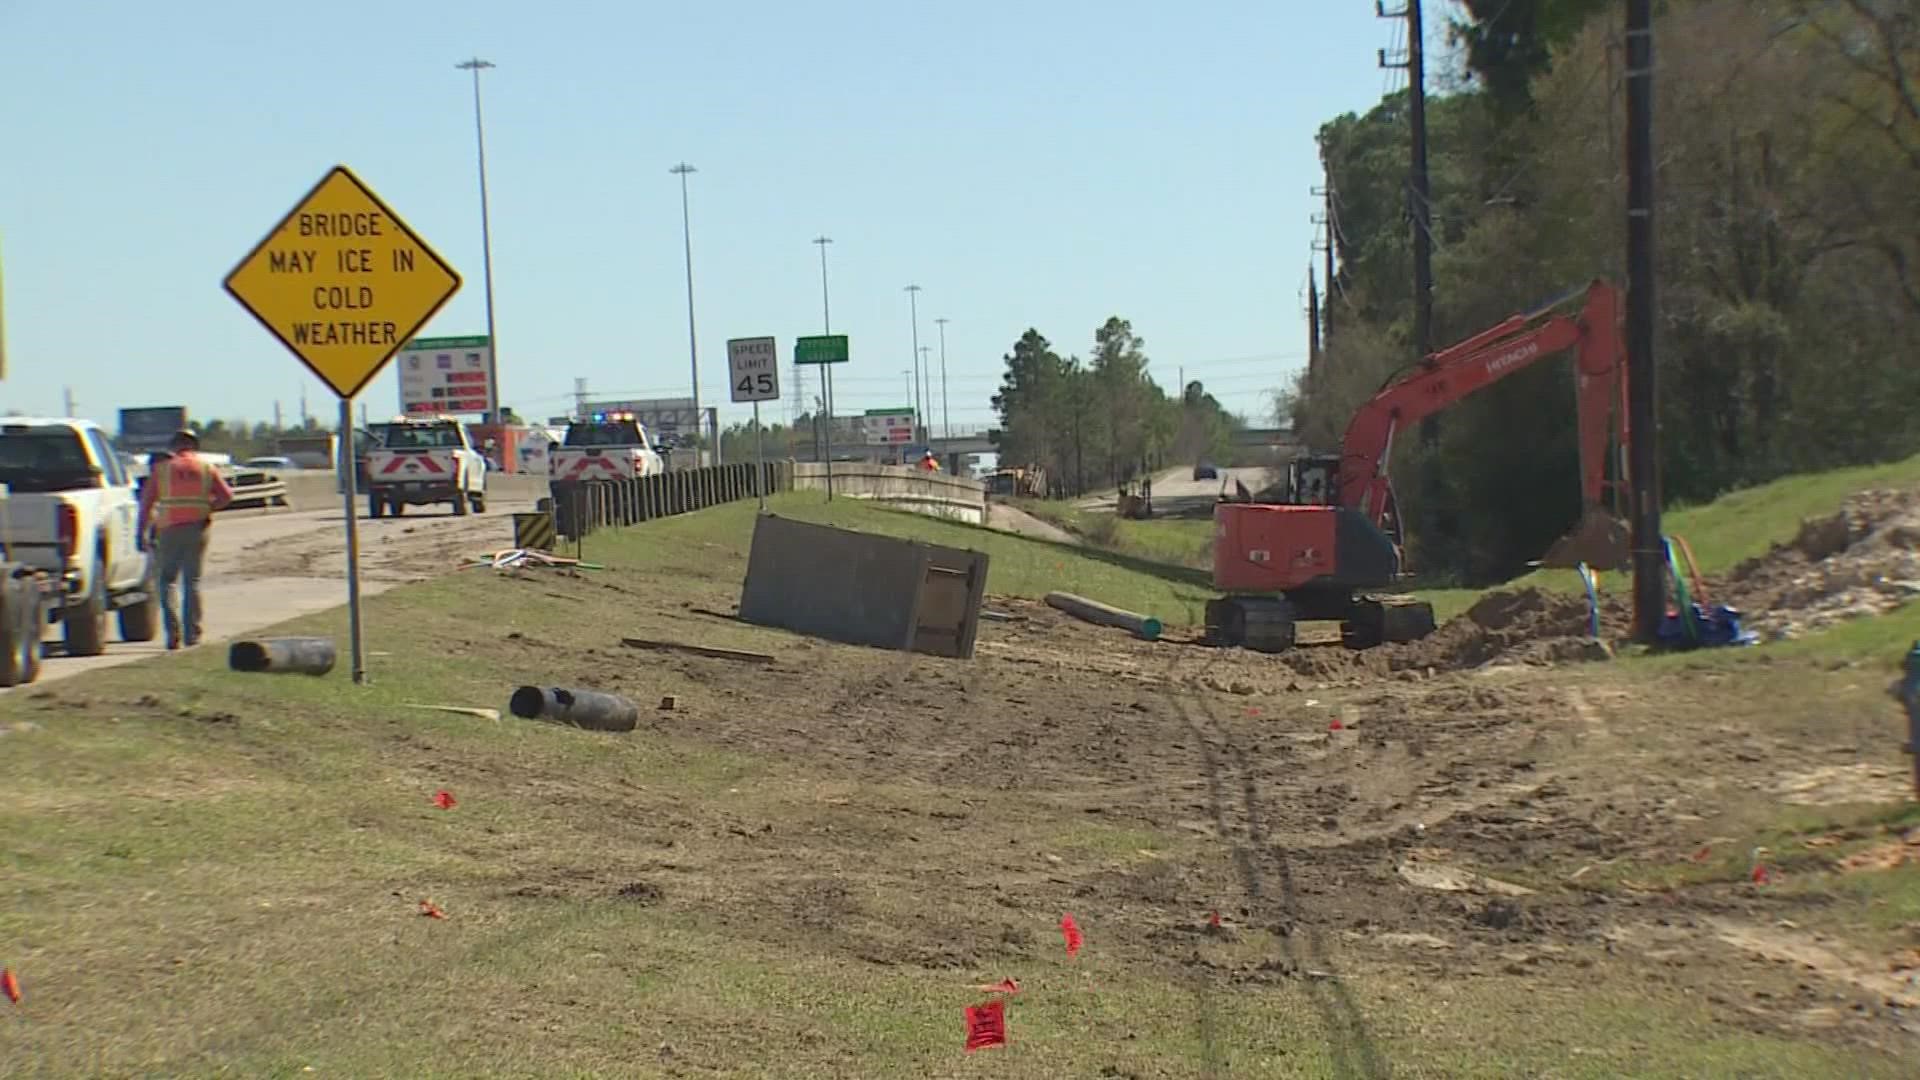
(863, 589)
(934, 494)
(319, 489)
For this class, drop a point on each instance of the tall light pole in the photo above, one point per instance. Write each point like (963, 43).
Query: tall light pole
(477, 65)
(913, 304)
(907, 375)
(826, 370)
(683, 170)
(946, 416)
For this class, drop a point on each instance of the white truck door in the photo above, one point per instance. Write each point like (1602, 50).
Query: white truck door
(120, 516)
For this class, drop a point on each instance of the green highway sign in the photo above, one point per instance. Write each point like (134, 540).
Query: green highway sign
(428, 344)
(820, 349)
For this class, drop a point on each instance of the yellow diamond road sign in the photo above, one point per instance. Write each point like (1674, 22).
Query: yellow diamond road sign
(343, 282)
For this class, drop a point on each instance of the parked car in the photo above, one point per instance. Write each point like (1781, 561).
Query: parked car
(1205, 471)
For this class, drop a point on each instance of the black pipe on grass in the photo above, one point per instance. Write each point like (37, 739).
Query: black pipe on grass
(282, 656)
(588, 709)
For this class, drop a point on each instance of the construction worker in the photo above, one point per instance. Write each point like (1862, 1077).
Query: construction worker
(176, 508)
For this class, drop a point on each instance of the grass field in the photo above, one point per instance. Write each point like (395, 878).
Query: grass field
(785, 876)
(1177, 541)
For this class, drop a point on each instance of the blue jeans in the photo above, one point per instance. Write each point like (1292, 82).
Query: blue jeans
(180, 551)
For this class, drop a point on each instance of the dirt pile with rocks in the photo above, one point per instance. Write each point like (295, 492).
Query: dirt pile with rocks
(1862, 560)
(1526, 626)
(1518, 626)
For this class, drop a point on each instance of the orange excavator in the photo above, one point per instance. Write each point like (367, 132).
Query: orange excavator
(1312, 548)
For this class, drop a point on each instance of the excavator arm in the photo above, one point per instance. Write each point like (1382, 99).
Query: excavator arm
(1448, 376)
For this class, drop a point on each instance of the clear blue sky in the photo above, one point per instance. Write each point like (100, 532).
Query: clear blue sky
(1028, 164)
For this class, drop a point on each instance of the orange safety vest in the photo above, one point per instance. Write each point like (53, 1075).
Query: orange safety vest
(183, 492)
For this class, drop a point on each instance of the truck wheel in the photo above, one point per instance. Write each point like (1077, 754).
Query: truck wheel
(376, 506)
(86, 625)
(141, 621)
(20, 644)
(459, 504)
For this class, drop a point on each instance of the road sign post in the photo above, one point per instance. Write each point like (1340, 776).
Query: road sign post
(753, 371)
(823, 350)
(343, 283)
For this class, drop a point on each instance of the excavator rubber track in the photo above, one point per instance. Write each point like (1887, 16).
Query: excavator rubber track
(1376, 620)
(1261, 623)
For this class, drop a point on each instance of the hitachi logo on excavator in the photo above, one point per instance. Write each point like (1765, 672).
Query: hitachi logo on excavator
(1508, 359)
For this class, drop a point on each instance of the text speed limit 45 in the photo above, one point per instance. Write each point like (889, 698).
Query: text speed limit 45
(754, 369)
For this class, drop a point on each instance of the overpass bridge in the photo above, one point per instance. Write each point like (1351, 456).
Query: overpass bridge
(1279, 442)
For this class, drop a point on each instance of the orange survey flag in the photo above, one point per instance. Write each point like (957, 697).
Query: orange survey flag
(986, 1025)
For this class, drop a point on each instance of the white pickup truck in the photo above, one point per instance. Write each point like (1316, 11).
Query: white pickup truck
(420, 461)
(72, 513)
(604, 447)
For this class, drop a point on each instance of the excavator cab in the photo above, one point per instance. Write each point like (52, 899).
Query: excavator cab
(1314, 480)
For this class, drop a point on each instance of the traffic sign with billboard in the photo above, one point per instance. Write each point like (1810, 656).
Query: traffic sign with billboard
(753, 369)
(662, 416)
(342, 282)
(445, 375)
(150, 430)
(888, 427)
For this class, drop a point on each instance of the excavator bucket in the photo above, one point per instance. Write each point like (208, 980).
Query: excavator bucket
(1601, 540)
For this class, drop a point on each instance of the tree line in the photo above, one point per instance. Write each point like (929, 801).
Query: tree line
(1101, 421)
(1787, 143)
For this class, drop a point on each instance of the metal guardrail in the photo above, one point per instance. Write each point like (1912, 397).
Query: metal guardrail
(257, 489)
(251, 490)
(580, 507)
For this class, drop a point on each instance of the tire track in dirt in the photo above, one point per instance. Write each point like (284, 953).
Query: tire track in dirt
(1351, 1045)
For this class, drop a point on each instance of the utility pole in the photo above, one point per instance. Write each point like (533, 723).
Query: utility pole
(683, 170)
(1643, 421)
(477, 65)
(1419, 193)
(1333, 237)
(919, 412)
(66, 400)
(306, 418)
(579, 398)
(1328, 220)
(946, 414)
(1313, 331)
(276, 416)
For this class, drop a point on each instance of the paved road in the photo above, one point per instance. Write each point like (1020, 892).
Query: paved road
(1177, 494)
(267, 566)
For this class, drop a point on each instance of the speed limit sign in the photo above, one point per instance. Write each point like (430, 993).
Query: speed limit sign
(753, 366)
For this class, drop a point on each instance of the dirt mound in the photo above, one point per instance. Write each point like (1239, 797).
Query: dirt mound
(1862, 560)
(1524, 626)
